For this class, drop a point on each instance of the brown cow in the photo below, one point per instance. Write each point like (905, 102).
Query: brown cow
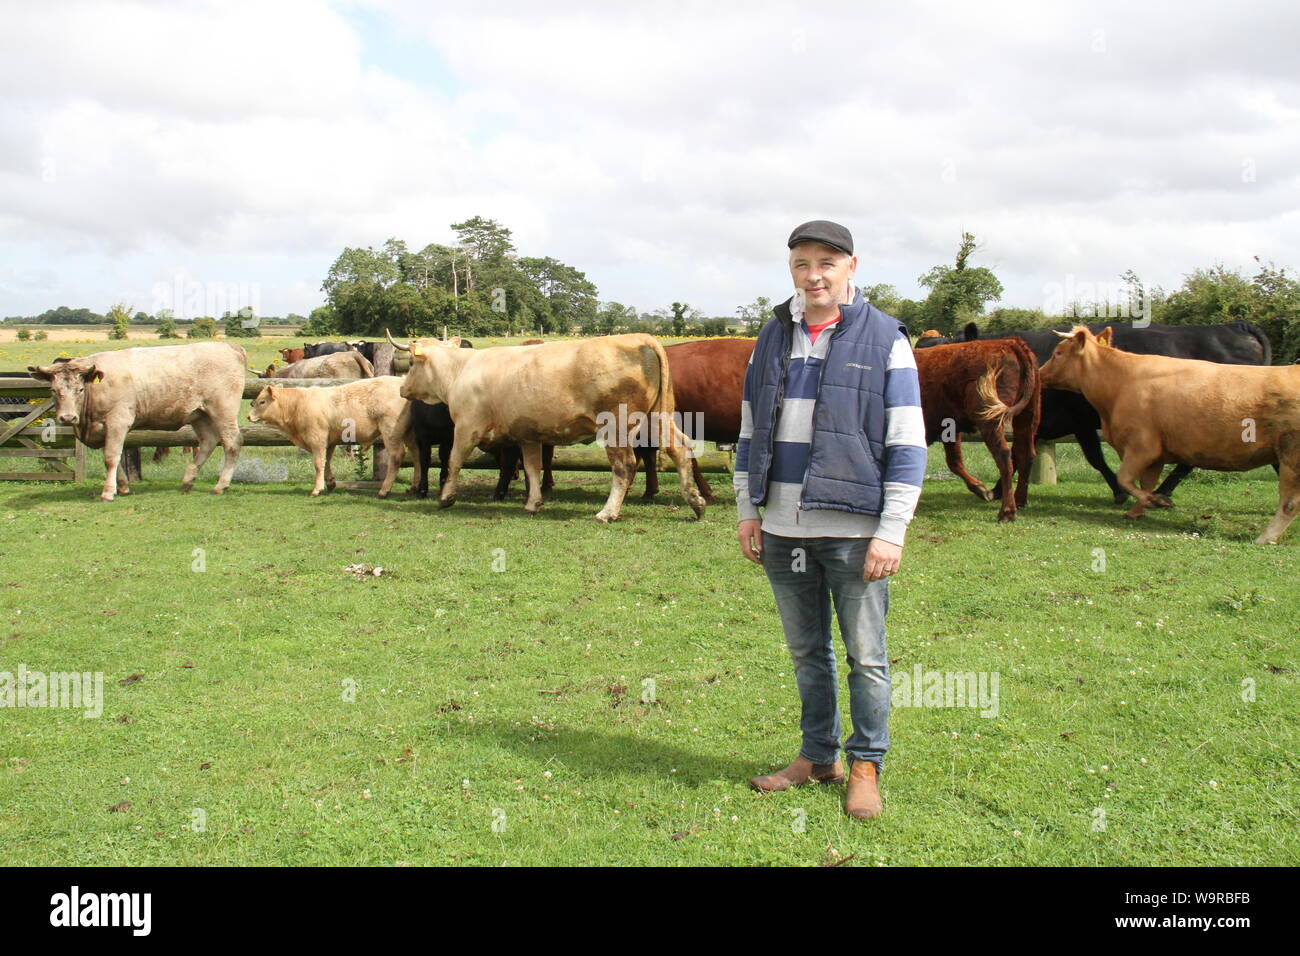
(559, 393)
(983, 386)
(289, 356)
(319, 418)
(1156, 410)
(708, 381)
(107, 394)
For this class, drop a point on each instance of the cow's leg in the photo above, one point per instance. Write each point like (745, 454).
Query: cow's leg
(423, 459)
(532, 456)
(1149, 479)
(318, 458)
(705, 491)
(463, 442)
(508, 457)
(1090, 445)
(1175, 478)
(647, 456)
(396, 436)
(232, 442)
(1023, 452)
(678, 451)
(1288, 496)
(1137, 461)
(957, 465)
(330, 483)
(114, 436)
(548, 479)
(622, 466)
(995, 438)
(444, 456)
(395, 447)
(208, 440)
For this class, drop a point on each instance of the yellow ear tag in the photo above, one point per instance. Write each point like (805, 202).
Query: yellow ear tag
(416, 351)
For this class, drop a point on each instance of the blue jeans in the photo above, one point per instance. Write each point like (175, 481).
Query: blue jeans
(807, 574)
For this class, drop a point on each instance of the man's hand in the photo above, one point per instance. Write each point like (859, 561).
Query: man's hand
(883, 558)
(750, 535)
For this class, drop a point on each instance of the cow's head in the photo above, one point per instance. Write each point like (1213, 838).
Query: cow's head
(290, 355)
(1073, 358)
(68, 381)
(265, 407)
(435, 364)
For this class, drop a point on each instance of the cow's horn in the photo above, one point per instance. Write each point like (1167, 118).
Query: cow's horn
(1064, 335)
(404, 348)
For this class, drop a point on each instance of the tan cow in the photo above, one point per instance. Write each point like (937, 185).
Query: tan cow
(319, 418)
(351, 364)
(556, 393)
(107, 394)
(1156, 410)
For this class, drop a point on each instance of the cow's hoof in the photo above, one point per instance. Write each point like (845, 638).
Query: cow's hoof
(218, 491)
(1120, 497)
(422, 495)
(987, 494)
(648, 496)
(604, 518)
(446, 502)
(1160, 501)
(105, 497)
(1130, 516)
(314, 494)
(698, 508)
(189, 487)
(1007, 516)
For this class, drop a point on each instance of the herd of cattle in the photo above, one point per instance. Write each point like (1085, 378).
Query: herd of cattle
(1191, 396)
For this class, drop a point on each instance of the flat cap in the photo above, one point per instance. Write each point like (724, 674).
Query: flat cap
(824, 231)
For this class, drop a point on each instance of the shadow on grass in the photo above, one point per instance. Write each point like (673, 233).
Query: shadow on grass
(623, 755)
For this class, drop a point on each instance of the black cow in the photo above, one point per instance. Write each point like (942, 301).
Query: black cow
(315, 349)
(1068, 413)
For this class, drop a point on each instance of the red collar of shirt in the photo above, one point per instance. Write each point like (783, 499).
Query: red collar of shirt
(816, 330)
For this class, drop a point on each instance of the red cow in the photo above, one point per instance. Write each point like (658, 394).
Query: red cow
(708, 381)
(982, 386)
(291, 355)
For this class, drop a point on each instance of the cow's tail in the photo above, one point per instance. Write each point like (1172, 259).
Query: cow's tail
(987, 386)
(664, 404)
(1262, 337)
(363, 363)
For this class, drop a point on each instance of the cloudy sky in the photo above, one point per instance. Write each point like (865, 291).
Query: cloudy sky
(666, 149)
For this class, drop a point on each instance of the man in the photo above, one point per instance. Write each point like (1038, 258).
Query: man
(832, 444)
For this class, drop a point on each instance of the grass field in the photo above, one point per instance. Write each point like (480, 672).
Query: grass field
(481, 701)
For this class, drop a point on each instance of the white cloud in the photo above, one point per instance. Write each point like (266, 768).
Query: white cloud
(666, 150)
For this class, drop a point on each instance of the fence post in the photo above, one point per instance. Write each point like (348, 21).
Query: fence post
(1043, 471)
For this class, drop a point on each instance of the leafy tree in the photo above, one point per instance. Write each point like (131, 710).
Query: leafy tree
(958, 293)
(204, 328)
(24, 335)
(756, 315)
(322, 323)
(41, 335)
(240, 325)
(120, 316)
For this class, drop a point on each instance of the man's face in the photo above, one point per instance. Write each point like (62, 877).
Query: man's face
(823, 272)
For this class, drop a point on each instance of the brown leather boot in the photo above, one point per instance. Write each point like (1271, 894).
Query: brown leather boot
(863, 801)
(800, 772)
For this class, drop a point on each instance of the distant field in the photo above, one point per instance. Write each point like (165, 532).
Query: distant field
(548, 690)
(136, 334)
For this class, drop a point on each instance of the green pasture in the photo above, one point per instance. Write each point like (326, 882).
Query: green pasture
(549, 690)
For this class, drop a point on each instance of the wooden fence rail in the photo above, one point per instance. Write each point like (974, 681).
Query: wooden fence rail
(59, 444)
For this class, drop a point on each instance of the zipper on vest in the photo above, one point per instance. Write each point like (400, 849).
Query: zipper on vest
(830, 344)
